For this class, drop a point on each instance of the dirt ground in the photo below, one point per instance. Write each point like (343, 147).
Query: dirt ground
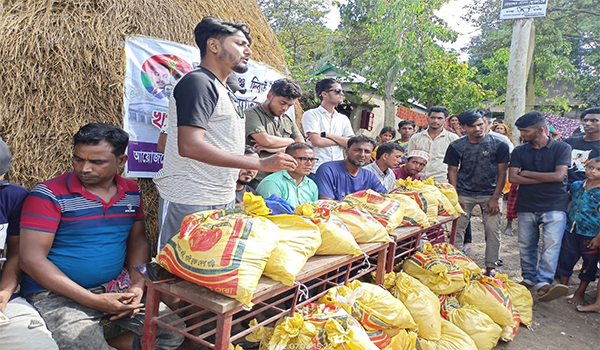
(556, 324)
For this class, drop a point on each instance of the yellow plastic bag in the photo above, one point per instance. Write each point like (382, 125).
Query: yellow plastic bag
(509, 333)
(455, 256)
(336, 239)
(261, 335)
(223, 250)
(453, 338)
(477, 325)
(299, 240)
(361, 224)
(292, 330)
(520, 297)
(379, 338)
(413, 215)
(404, 340)
(424, 196)
(255, 205)
(374, 307)
(343, 333)
(437, 273)
(445, 207)
(387, 211)
(422, 304)
(490, 296)
(450, 192)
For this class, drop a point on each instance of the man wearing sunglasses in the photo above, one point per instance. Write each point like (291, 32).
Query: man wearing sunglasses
(204, 151)
(293, 185)
(327, 130)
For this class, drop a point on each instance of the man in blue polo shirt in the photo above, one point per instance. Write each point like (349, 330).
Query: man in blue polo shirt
(293, 185)
(78, 231)
(540, 168)
(337, 179)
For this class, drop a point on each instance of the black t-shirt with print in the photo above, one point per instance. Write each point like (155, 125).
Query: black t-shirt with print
(582, 151)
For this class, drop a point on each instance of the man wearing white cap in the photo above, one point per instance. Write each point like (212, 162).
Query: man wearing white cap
(415, 163)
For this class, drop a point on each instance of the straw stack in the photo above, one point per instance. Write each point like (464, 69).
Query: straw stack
(61, 67)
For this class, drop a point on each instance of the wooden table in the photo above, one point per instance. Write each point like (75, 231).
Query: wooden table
(272, 300)
(407, 240)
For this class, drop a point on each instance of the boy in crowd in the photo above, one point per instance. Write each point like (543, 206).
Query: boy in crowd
(582, 235)
(415, 163)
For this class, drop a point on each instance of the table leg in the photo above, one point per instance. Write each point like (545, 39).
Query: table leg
(389, 265)
(152, 303)
(381, 265)
(223, 332)
(453, 231)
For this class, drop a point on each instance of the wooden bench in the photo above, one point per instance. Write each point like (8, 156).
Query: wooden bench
(272, 300)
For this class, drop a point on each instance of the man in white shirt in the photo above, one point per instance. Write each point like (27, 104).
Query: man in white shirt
(435, 141)
(327, 130)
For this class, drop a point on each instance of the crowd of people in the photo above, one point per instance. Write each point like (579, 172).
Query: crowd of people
(73, 241)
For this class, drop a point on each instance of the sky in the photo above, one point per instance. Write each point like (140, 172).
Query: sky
(451, 13)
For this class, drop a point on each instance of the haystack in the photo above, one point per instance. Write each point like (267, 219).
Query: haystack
(61, 67)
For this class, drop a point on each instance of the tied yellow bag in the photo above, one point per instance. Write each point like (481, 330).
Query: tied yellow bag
(413, 215)
(509, 333)
(299, 240)
(422, 304)
(361, 224)
(490, 296)
(292, 333)
(437, 273)
(445, 207)
(379, 338)
(477, 325)
(424, 196)
(342, 333)
(450, 192)
(336, 239)
(453, 338)
(404, 340)
(520, 297)
(455, 256)
(374, 307)
(262, 335)
(387, 211)
(222, 250)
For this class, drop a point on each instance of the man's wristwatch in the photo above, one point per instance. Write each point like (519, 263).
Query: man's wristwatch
(323, 134)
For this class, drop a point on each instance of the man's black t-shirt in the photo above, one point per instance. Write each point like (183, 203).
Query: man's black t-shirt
(548, 196)
(582, 151)
(478, 164)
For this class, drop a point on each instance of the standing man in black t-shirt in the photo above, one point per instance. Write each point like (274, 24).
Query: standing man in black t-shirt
(586, 146)
(477, 166)
(205, 147)
(540, 168)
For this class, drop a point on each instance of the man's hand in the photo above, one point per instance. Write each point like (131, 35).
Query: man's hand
(4, 298)
(119, 304)
(138, 293)
(594, 243)
(462, 204)
(492, 206)
(277, 162)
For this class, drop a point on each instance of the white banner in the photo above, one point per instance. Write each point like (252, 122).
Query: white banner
(152, 67)
(516, 9)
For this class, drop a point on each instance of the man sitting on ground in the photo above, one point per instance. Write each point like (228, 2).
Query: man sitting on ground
(388, 157)
(415, 163)
(246, 176)
(293, 185)
(337, 179)
(78, 230)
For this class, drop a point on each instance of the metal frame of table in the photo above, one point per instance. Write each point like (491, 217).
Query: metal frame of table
(270, 298)
(407, 238)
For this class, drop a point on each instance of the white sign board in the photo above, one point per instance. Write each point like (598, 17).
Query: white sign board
(516, 9)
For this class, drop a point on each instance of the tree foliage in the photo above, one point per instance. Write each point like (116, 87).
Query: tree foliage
(566, 52)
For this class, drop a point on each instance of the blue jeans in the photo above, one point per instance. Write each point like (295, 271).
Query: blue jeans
(540, 271)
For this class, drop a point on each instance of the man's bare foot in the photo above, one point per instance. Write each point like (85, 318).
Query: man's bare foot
(589, 308)
(576, 299)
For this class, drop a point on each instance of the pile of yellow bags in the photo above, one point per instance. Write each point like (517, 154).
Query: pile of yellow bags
(387, 211)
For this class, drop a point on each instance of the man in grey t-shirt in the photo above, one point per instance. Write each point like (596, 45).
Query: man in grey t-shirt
(477, 165)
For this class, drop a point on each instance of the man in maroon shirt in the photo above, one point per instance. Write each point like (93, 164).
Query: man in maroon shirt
(415, 162)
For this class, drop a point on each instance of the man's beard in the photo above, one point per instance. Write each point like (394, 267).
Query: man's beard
(243, 182)
(357, 163)
(228, 56)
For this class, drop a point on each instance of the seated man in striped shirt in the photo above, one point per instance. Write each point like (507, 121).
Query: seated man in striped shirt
(78, 231)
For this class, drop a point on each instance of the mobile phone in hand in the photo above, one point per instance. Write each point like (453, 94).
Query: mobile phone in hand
(3, 319)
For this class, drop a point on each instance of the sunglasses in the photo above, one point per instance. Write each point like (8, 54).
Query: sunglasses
(236, 104)
(337, 91)
(307, 160)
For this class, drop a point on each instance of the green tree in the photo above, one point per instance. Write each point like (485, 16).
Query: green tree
(566, 49)
(299, 26)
